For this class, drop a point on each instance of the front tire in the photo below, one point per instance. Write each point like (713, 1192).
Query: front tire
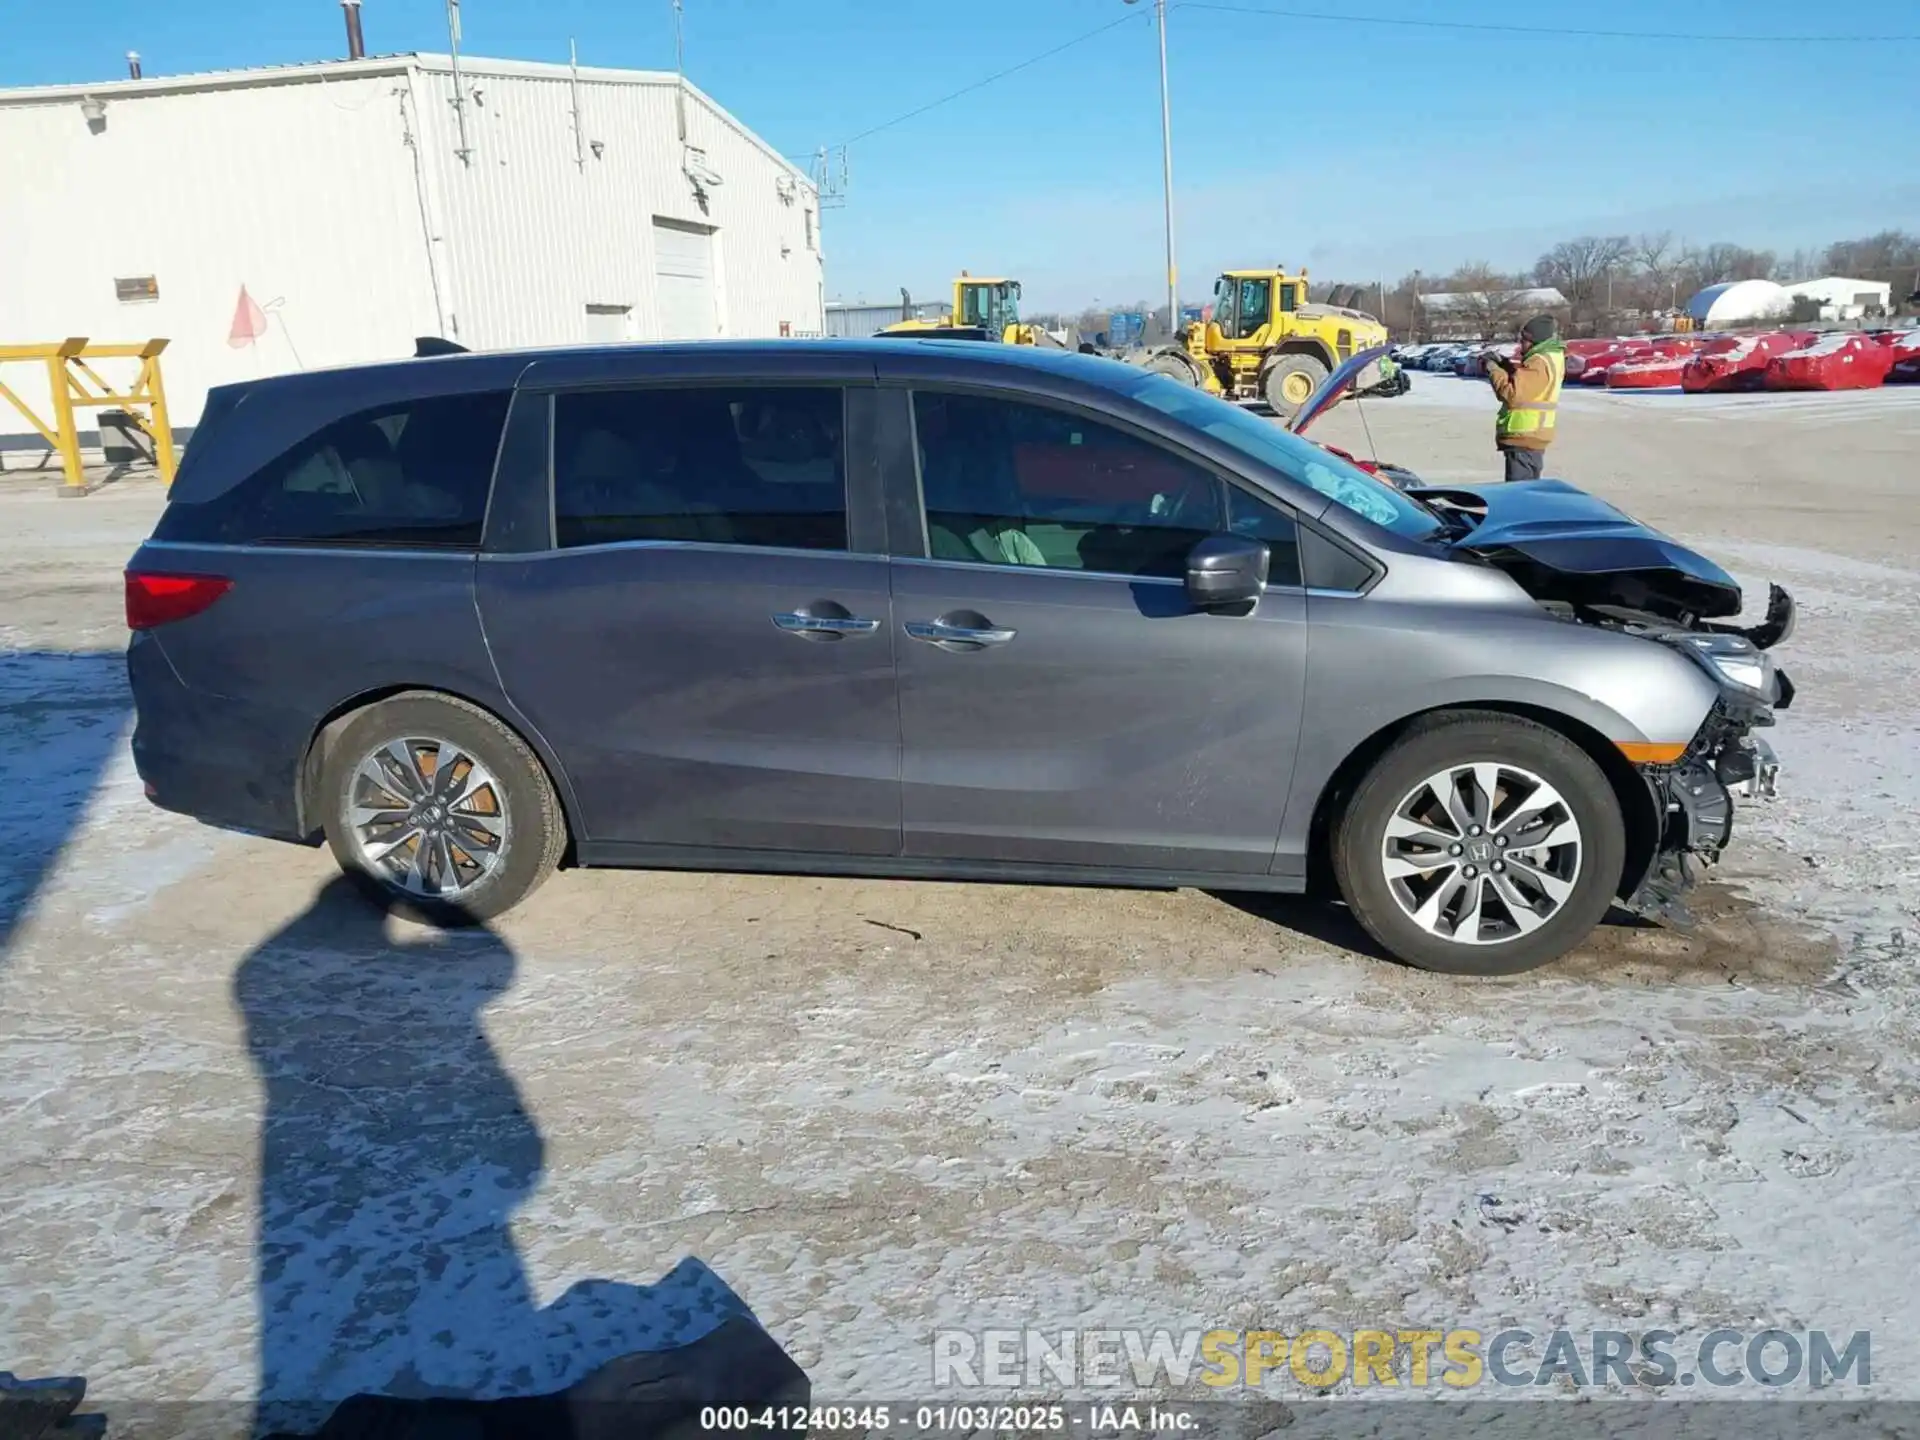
(439, 812)
(1290, 382)
(1480, 844)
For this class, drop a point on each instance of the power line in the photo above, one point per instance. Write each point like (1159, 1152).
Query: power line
(1507, 29)
(1331, 17)
(997, 76)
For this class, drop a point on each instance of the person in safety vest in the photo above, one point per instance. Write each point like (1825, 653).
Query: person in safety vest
(1529, 394)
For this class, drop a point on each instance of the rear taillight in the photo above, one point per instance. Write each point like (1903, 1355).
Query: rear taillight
(160, 599)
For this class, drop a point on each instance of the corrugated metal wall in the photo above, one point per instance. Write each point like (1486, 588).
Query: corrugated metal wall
(335, 195)
(301, 192)
(533, 235)
(857, 321)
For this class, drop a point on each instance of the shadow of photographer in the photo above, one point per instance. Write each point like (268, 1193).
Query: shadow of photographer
(394, 1150)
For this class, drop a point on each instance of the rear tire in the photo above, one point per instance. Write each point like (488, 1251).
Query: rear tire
(1426, 887)
(439, 812)
(1290, 382)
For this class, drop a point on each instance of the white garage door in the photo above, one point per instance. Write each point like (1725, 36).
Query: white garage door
(683, 280)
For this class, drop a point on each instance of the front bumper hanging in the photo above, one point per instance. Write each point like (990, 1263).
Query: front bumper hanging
(1696, 801)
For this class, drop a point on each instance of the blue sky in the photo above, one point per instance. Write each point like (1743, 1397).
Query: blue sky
(1355, 149)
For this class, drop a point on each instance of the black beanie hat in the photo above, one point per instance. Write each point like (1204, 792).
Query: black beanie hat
(1540, 327)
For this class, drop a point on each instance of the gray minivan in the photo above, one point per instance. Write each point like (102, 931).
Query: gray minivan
(926, 609)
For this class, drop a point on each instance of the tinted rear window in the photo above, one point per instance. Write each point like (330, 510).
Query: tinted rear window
(725, 465)
(414, 474)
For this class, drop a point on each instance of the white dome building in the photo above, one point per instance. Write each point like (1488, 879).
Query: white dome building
(1739, 302)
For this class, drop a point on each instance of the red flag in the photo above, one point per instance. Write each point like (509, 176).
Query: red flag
(249, 322)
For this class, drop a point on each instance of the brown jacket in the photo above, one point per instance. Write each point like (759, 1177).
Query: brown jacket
(1525, 384)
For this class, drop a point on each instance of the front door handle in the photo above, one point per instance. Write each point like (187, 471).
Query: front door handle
(824, 627)
(938, 632)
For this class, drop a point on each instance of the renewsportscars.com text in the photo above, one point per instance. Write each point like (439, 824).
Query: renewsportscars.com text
(1361, 1359)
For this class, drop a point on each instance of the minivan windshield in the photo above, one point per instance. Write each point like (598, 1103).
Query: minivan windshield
(1298, 459)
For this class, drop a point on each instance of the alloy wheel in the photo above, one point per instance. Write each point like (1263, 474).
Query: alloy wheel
(1482, 853)
(427, 816)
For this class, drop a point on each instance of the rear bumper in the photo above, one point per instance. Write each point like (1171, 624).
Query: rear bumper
(219, 760)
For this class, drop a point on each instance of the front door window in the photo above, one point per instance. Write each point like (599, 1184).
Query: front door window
(1007, 483)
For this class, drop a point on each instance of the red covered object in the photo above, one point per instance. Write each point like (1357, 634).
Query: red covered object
(1906, 359)
(1736, 362)
(1904, 346)
(1650, 372)
(1833, 362)
(1594, 363)
(1580, 354)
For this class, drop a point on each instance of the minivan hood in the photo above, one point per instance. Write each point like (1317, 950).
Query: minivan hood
(1334, 388)
(1563, 544)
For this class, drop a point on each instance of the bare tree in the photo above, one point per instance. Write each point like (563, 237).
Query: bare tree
(1579, 269)
(1402, 315)
(1654, 253)
(1489, 304)
(1892, 255)
(1802, 264)
(1657, 284)
(1721, 262)
(1648, 272)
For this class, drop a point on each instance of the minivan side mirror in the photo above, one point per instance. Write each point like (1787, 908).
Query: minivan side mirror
(1225, 570)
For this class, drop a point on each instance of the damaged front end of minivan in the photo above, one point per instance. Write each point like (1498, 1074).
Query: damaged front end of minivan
(1587, 563)
(1695, 795)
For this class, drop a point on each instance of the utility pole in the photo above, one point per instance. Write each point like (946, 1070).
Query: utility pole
(1166, 149)
(1166, 160)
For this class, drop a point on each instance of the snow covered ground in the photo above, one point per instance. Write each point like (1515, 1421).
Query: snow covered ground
(247, 1125)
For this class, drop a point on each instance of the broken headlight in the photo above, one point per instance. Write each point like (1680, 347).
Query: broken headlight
(1733, 660)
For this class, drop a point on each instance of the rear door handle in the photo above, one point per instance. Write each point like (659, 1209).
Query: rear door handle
(936, 632)
(825, 626)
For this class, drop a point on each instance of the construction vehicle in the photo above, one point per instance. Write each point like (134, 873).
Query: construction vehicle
(989, 303)
(1264, 341)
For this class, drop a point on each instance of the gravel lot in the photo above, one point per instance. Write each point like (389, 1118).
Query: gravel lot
(245, 1120)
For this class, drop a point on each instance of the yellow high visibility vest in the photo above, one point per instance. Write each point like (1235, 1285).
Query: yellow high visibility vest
(1535, 417)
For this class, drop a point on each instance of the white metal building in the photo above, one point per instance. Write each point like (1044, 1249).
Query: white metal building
(1842, 299)
(362, 203)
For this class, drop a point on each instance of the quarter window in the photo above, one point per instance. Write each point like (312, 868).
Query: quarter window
(1252, 518)
(413, 475)
(720, 465)
(1008, 483)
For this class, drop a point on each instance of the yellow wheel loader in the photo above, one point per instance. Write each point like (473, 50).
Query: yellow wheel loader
(1265, 342)
(984, 308)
